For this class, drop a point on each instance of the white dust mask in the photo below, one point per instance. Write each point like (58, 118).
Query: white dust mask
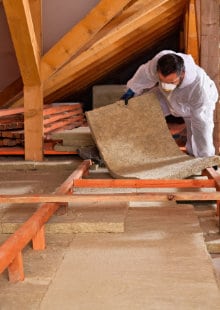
(168, 86)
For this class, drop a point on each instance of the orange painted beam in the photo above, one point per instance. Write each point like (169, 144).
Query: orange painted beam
(6, 112)
(53, 109)
(11, 248)
(140, 196)
(47, 109)
(134, 183)
(59, 116)
(62, 123)
(15, 269)
(38, 241)
(214, 175)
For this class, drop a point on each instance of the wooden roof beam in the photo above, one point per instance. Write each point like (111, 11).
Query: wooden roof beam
(28, 52)
(192, 41)
(23, 36)
(109, 63)
(80, 34)
(144, 15)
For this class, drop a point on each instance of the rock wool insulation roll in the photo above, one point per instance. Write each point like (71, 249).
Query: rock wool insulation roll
(135, 142)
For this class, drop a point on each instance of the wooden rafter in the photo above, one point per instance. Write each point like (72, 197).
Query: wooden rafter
(140, 14)
(28, 51)
(192, 40)
(23, 36)
(111, 62)
(80, 34)
(36, 13)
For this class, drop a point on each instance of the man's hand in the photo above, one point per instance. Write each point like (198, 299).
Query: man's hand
(128, 95)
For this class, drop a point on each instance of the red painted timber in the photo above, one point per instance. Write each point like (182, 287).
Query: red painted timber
(134, 183)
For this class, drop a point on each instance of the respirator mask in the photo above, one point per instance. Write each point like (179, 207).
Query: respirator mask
(168, 87)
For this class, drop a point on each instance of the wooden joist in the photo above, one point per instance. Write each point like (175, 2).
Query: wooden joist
(33, 230)
(140, 196)
(133, 183)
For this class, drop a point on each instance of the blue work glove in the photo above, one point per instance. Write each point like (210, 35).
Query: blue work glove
(128, 95)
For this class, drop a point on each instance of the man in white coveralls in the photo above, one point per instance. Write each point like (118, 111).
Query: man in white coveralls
(184, 90)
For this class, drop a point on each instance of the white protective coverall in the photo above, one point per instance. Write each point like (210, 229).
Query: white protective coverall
(194, 100)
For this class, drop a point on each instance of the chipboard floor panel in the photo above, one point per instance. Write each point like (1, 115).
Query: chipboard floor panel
(159, 262)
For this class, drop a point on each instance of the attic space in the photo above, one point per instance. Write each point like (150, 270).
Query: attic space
(57, 53)
(107, 207)
(124, 72)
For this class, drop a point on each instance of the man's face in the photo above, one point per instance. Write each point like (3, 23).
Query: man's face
(172, 78)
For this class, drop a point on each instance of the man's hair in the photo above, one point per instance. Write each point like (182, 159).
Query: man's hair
(170, 63)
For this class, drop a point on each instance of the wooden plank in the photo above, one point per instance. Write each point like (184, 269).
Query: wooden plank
(129, 183)
(28, 55)
(48, 109)
(23, 36)
(62, 123)
(51, 109)
(7, 112)
(64, 50)
(53, 152)
(11, 142)
(36, 13)
(11, 123)
(198, 20)
(16, 242)
(140, 196)
(11, 151)
(60, 117)
(13, 134)
(33, 117)
(70, 126)
(192, 46)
